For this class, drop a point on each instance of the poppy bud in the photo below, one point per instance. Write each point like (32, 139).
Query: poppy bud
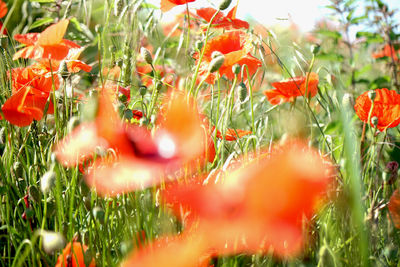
(315, 49)
(2, 136)
(47, 181)
(348, 101)
(34, 193)
(17, 166)
(146, 55)
(128, 114)
(142, 90)
(99, 214)
(236, 69)
(374, 121)
(199, 45)
(158, 86)
(372, 95)
(51, 241)
(216, 63)
(63, 70)
(242, 91)
(72, 123)
(216, 54)
(224, 4)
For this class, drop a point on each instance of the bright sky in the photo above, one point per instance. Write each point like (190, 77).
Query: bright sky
(304, 13)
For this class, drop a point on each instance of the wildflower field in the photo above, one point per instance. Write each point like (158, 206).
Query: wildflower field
(207, 140)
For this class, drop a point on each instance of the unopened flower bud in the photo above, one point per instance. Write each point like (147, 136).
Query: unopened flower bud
(224, 4)
(98, 214)
(34, 193)
(372, 95)
(3, 136)
(63, 70)
(146, 55)
(51, 241)
(242, 91)
(236, 69)
(216, 54)
(72, 123)
(199, 45)
(348, 101)
(158, 86)
(374, 121)
(216, 63)
(17, 166)
(315, 49)
(128, 114)
(47, 181)
(142, 90)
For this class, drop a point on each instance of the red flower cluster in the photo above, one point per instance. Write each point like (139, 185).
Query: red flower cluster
(73, 256)
(258, 205)
(142, 160)
(31, 86)
(235, 47)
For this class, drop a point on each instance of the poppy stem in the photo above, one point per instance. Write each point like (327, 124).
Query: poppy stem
(202, 53)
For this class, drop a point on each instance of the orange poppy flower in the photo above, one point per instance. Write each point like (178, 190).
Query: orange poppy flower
(73, 255)
(3, 9)
(166, 5)
(387, 51)
(48, 44)
(142, 160)
(173, 251)
(24, 106)
(232, 134)
(235, 46)
(221, 21)
(260, 204)
(287, 91)
(386, 108)
(73, 64)
(31, 88)
(394, 208)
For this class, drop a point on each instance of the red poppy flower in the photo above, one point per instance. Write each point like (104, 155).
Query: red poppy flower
(166, 5)
(387, 51)
(71, 60)
(31, 88)
(23, 107)
(141, 159)
(260, 204)
(173, 251)
(394, 208)
(288, 90)
(3, 12)
(221, 21)
(73, 255)
(386, 108)
(232, 134)
(235, 46)
(48, 44)
(3, 9)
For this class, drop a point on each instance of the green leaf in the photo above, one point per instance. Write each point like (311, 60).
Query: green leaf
(371, 37)
(328, 33)
(40, 22)
(330, 57)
